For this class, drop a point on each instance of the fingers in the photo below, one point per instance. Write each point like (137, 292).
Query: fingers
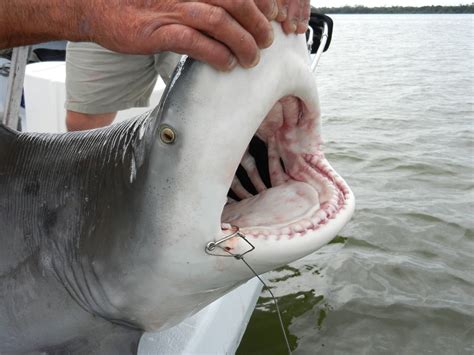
(282, 10)
(255, 17)
(269, 8)
(305, 13)
(218, 24)
(252, 16)
(185, 40)
(297, 15)
(291, 23)
(238, 24)
(224, 32)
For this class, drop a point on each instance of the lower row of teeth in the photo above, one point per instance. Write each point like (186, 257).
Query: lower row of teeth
(321, 217)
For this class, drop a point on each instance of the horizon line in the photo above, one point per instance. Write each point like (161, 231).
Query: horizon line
(370, 7)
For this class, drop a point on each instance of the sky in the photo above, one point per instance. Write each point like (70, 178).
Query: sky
(372, 3)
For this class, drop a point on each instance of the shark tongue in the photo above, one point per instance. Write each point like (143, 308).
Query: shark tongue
(280, 205)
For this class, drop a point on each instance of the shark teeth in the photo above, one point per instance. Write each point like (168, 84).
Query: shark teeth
(321, 169)
(287, 209)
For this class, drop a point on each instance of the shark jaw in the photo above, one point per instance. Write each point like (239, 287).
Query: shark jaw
(290, 191)
(285, 189)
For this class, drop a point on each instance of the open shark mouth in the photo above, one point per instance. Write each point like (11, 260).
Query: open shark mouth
(284, 187)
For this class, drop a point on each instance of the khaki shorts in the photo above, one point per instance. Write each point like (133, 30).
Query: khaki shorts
(102, 81)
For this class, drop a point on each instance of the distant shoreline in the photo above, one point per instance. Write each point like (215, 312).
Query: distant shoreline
(460, 9)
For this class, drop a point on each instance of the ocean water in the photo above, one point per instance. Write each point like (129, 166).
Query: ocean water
(397, 97)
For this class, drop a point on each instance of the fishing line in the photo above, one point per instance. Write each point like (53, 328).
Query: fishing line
(274, 301)
(210, 247)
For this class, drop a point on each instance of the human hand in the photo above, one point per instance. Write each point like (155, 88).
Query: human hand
(219, 32)
(294, 15)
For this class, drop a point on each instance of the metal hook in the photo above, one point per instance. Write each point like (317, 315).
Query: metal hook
(211, 246)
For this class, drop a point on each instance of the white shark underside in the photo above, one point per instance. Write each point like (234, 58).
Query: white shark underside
(104, 232)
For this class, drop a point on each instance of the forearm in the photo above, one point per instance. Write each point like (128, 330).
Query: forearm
(24, 22)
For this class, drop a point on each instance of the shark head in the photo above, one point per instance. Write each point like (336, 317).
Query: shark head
(236, 165)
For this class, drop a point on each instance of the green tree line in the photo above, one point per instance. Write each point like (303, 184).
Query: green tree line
(359, 9)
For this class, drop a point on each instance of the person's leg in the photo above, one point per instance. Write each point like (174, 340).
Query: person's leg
(100, 82)
(78, 121)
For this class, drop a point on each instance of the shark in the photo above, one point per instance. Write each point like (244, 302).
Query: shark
(108, 233)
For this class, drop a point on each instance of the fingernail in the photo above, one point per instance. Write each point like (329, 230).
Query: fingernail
(232, 63)
(293, 25)
(283, 13)
(303, 27)
(255, 62)
(270, 38)
(274, 11)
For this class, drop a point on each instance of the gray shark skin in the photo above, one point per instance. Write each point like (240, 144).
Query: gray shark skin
(103, 232)
(59, 195)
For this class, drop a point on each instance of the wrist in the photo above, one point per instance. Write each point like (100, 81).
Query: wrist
(80, 23)
(24, 22)
(68, 19)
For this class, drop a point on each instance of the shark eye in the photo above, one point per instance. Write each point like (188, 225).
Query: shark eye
(167, 134)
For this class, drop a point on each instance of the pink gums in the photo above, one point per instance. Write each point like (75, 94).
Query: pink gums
(305, 194)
